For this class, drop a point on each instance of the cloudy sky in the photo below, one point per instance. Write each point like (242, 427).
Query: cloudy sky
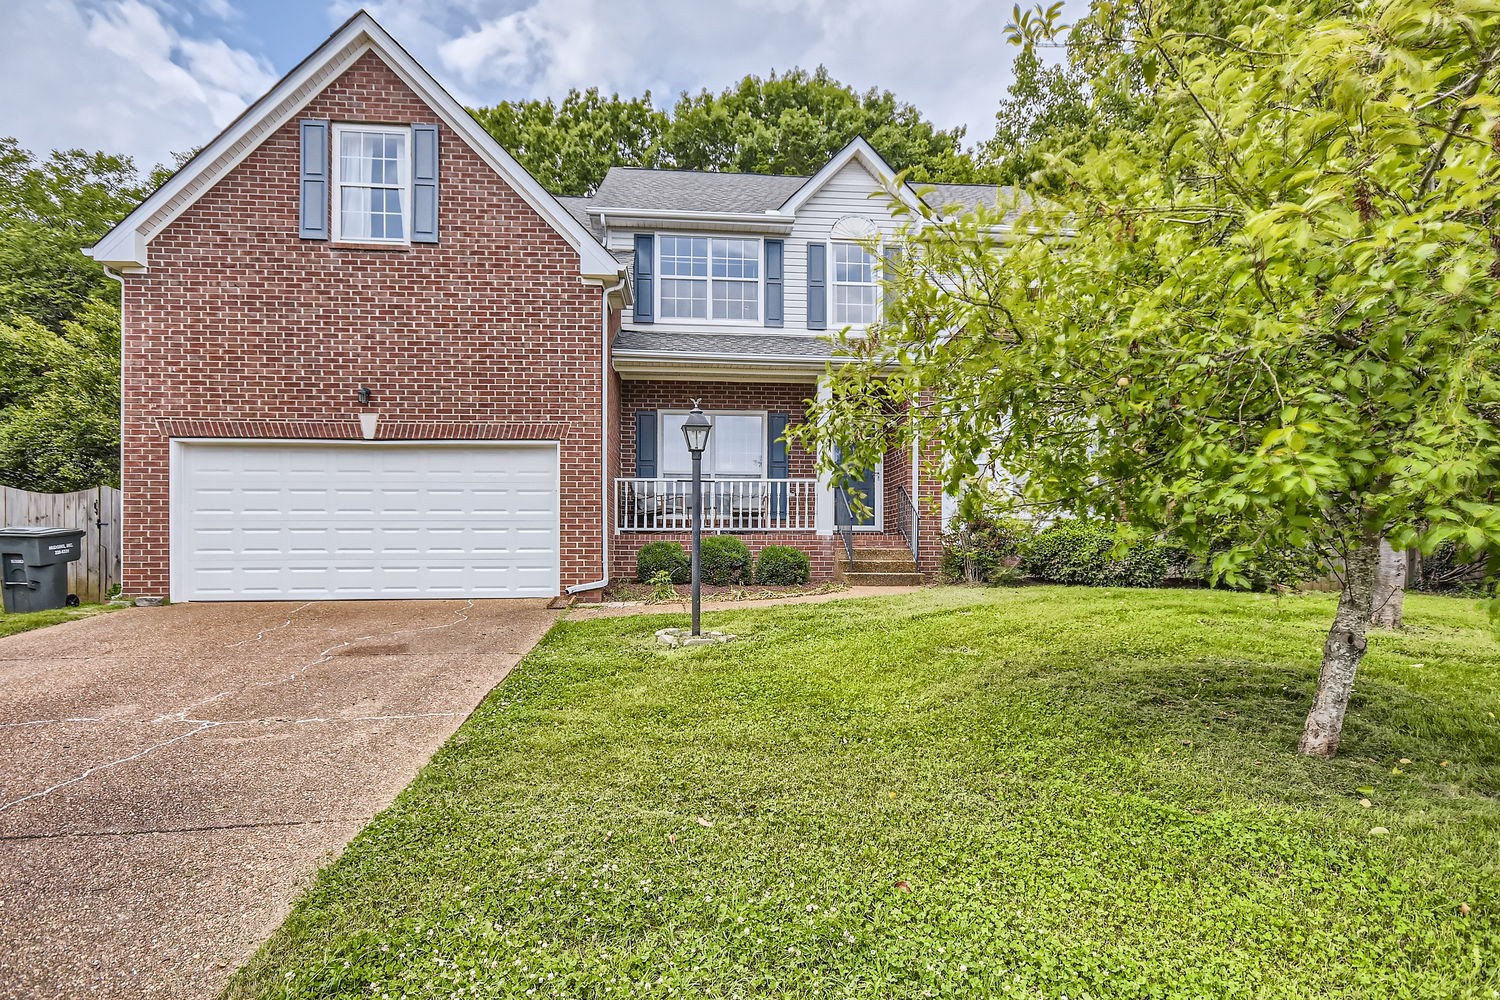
(147, 77)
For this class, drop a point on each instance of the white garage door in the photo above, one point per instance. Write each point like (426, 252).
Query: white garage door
(268, 521)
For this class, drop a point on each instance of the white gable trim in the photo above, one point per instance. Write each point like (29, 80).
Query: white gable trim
(125, 246)
(859, 150)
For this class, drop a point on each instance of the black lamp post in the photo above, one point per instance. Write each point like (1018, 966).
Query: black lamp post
(696, 429)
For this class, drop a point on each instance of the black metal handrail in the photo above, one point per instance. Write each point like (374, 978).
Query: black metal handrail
(906, 518)
(843, 521)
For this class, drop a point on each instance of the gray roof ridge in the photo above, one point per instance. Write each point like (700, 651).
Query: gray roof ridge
(712, 173)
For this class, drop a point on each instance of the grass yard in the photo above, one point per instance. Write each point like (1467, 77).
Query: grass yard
(11, 624)
(959, 793)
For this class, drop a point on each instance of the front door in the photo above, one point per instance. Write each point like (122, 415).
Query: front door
(865, 490)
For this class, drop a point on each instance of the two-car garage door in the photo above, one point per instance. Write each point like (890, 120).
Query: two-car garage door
(319, 521)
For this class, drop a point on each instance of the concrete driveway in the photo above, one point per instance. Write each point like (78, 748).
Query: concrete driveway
(171, 778)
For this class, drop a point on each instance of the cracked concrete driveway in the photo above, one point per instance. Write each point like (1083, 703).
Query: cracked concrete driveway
(171, 778)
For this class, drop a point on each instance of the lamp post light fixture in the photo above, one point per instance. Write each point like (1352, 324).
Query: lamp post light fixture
(696, 429)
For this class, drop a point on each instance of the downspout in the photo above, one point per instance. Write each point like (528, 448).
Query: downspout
(605, 506)
(121, 512)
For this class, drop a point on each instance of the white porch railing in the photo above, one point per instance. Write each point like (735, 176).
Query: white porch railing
(728, 504)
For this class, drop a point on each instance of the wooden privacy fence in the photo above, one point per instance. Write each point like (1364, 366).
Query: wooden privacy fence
(95, 512)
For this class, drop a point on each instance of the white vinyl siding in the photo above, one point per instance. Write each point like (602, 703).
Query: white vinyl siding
(847, 194)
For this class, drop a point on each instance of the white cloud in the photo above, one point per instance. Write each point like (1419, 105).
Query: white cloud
(118, 75)
(948, 58)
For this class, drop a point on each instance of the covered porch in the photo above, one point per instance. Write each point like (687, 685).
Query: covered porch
(758, 484)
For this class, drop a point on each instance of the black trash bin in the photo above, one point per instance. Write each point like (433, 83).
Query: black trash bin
(35, 565)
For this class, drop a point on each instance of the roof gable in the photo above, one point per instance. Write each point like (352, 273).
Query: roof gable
(858, 150)
(125, 247)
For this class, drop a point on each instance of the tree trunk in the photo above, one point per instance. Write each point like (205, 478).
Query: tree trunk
(1342, 651)
(1390, 587)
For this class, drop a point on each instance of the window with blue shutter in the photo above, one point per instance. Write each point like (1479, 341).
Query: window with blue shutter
(817, 286)
(645, 284)
(424, 184)
(778, 465)
(775, 311)
(313, 216)
(645, 444)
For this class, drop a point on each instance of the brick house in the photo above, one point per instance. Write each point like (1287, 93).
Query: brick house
(366, 355)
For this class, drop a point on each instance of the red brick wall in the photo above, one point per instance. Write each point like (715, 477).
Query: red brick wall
(239, 319)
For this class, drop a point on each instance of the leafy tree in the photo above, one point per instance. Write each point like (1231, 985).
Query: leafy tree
(59, 316)
(1263, 320)
(60, 401)
(569, 147)
(788, 123)
(50, 211)
(793, 122)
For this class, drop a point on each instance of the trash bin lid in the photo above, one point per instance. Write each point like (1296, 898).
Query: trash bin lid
(35, 531)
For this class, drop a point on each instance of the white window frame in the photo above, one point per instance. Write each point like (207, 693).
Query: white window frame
(834, 284)
(337, 208)
(662, 430)
(760, 281)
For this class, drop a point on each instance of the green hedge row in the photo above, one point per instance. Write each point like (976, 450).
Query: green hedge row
(726, 562)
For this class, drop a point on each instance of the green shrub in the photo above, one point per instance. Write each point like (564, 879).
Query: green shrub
(657, 557)
(726, 561)
(781, 565)
(1078, 553)
(983, 548)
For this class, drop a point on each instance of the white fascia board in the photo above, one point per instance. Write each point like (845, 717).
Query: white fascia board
(125, 245)
(770, 222)
(858, 149)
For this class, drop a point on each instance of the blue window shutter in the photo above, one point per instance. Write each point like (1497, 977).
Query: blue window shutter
(817, 286)
(892, 264)
(424, 184)
(645, 443)
(777, 467)
(313, 222)
(645, 285)
(775, 313)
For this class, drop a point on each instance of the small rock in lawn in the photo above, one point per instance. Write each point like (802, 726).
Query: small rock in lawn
(1366, 803)
(1378, 831)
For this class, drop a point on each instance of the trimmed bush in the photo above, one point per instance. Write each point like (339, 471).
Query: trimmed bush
(726, 561)
(669, 557)
(782, 565)
(1077, 553)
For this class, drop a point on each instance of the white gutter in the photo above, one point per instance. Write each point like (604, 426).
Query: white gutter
(604, 481)
(121, 512)
(672, 214)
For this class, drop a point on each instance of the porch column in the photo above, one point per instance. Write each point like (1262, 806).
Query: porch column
(823, 511)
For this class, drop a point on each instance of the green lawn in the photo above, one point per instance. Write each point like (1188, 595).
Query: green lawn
(1035, 793)
(11, 624)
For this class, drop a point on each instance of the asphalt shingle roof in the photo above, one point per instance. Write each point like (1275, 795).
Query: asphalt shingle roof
(744, 345)
(710, 191)
(694, 190)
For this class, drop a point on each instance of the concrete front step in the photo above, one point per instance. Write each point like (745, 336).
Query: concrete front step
(876, 564)
(883, 579)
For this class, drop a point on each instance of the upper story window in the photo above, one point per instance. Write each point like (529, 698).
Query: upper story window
(710, 278)
(856, 294)
(372, 184)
